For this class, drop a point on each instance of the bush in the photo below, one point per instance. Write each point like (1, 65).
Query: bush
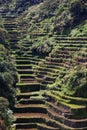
(77, 7)
(4, 37)
(80, 31)
(75, 83)
(42, 49)
(5, 113)
(8, 76)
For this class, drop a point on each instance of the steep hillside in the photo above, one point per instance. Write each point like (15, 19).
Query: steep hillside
(44, 22)
(18, 6)
(48, 46)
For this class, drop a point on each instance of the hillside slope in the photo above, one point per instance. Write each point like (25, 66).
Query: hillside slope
(52, 18)
(49, 44)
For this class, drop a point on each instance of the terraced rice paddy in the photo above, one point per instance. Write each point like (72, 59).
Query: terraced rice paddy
(38, 108)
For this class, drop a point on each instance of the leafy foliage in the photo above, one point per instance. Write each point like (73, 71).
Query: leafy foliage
(75, 82)
(80, 30)
(50, 19)
(8, 74)
(5, 113)
(8, 78)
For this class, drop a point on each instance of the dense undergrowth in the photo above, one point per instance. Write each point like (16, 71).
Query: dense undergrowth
(73, 83)
(8, 79)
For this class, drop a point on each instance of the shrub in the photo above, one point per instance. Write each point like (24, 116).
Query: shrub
(42, 49)
(4, 37)
(75, 83)
(5, 113)
(77, 7)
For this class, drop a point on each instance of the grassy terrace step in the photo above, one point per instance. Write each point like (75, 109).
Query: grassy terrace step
(30, 58)
(68, 122)
(27, 49)
(30, 115)
(72, 45)
(10, 23)
(58, 109)
(10, 28)
(42, 72)
(61, 51)
(46, 127)
(23, 61)
(47, 82)
(28, 129)
(13, 40)
(28, 80)
(71, 42)
(26, 126)
(26, 62)
(26, 45)
(27, 75)
(57, 56)
(54, 63)
(72, 38)
(32, 95)
(51, 66)
(81, 59)
(62, 126)
(64, 103)
(34, 126)
(64, 48)
(7, 18)
(70, 48)
(24, 66)
(25, 71)
(15, 35)
(46, 77)
(31, 108)
(58, 60)
(31, 101)
(76, 100)
(49, 69)
(13, 32)
(25, 87)
(29, 55)
(28, 52)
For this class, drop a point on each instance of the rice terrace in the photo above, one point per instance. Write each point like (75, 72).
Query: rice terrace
(43, 64)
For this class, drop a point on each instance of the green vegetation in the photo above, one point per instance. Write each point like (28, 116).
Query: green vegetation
(6, 114)
(80, 30)
(46, 43)
(41, 24)
(75, 82)
(8, 79)
(8, 75)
